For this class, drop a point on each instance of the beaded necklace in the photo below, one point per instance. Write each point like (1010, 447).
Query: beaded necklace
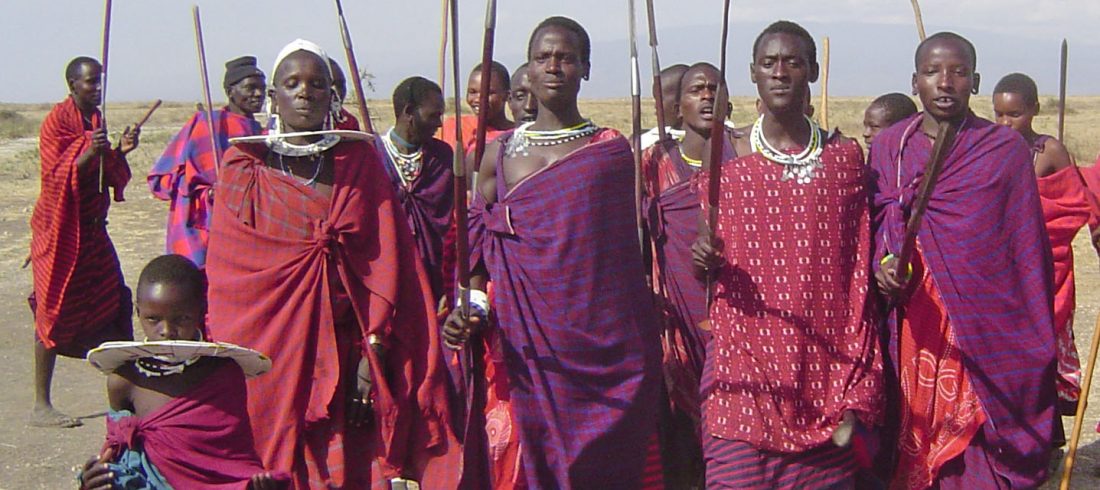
(408, 164)
(800, 167)
(154, 367)
(523, 138)
(697, 163)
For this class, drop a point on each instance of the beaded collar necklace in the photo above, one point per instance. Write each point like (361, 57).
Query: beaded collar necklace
(800, 167)
(408, 164)
(156, 366)
(697, 163)
(524, 138)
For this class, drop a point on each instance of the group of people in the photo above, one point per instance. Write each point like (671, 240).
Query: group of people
(785, 349)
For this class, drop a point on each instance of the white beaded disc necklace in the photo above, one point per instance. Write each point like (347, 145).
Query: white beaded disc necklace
(800, 167)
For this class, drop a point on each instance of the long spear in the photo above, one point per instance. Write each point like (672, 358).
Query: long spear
(1062, 93)
(713, 164)
(636, 123)
(357, 81)
(656, 65)
(919, 18)
(103, 80)
(443, 45)
(207, 104)
(825, 83)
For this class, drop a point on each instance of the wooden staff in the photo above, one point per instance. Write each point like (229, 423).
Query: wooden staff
(208, 105)
(636, 123)
(1062, 93)
(103, 81)
(713, 164)
(945, 137)
(443, 46)
(462, 252)
(656, 65)
(357, 81)
(825, 83)
(919, 18)
(148, 114)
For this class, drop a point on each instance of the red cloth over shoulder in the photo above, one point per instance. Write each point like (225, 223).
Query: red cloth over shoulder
(273, 293)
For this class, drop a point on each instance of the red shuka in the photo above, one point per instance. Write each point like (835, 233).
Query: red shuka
(304, 279)
(77, 277)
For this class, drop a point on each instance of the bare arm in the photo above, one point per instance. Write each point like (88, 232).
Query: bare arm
(1053, 158)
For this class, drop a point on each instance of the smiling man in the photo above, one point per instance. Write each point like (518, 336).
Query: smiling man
(185, 175)
(974, 350)
(793, 367)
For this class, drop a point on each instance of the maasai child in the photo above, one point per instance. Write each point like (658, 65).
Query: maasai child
(80, 298)
(185, 175)
(975, 348)
(523, 107)
(1066, 210)
(420, 168)
(884, 112)
(553, 226)
(497, 119)
(672, 215)
(177, 425)
(344, 119)
(670, 95)
(312, 262)
(793, 369)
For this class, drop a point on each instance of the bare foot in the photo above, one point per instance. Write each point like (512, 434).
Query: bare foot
(50, 417)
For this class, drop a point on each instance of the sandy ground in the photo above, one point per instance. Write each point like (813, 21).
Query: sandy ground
(45, 458)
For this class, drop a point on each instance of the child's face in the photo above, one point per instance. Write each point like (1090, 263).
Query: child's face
(874, 120)
(170, 312)
(1011, 110)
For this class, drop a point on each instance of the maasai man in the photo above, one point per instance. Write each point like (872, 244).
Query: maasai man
(179, 425)
(523, 107)
(420, 168)
(553, 226)
(80, 298)
(185, 175)
(312, 262)
(1064, 197)
(884, 112)
(497, 120)
(793, 367)
(670, 95)
(672, 205)
(345, 120)
(975, 347)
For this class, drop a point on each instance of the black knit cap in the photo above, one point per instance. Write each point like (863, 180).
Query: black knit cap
(239, 69)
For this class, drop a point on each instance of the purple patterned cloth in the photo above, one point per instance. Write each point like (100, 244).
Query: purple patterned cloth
(580, 331)
(984, 241)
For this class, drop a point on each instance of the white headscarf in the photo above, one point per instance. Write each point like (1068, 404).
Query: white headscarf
(273, 140)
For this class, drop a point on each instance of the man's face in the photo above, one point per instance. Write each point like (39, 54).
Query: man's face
(1011, 110)
(248, 94)
(427, 118)
(874, 121)
(698, 93)
(498, 93)
(523, 106)
(86, 88)
(670, 85)
(783, 72)
(944, 79)
(555, 68)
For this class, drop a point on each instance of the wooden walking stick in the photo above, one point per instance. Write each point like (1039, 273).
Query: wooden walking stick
(148, 114)
(1062, 93)
(945, 138)
(920, 19)
(636, 125)
(713, 164)
(825, 83)
(357, 81)
(207, 104)
(655, 61)
(103, 82)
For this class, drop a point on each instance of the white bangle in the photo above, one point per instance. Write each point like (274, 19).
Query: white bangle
(479, 302)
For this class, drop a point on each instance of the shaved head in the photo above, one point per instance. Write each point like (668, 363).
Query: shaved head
(947, 38)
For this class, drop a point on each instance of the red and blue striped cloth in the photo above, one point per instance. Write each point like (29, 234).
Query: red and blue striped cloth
(185, 176)
(984, 241)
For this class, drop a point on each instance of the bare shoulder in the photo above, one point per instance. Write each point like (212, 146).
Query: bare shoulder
(1057, 154)
(487, 171)
(120, 388)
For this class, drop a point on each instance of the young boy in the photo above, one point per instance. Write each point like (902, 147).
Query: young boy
(884, 112)
(177, 425)
(1063, 195)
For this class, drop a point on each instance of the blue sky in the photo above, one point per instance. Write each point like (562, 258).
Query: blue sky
(153, 51)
